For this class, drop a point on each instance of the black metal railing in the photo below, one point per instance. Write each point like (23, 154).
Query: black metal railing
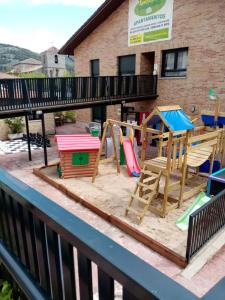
(52, 254)
(204, 223)
(34, 93)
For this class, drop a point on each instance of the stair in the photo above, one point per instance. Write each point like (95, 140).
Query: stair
(146, 190)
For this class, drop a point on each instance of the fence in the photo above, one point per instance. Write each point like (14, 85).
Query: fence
(204, 223)
(50, 92)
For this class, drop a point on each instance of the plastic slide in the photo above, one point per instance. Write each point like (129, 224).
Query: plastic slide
(133, 168)
(183, 221)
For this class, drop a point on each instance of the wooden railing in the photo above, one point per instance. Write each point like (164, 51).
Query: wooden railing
(204, 223)
(51, 254)
(36, 93)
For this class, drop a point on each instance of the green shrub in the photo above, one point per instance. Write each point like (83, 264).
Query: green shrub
(5, 290)
(70, 115)
(15, 124)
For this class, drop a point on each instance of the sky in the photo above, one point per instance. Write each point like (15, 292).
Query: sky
(40, 24)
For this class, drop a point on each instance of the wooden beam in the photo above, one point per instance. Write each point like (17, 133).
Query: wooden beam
(136, 127)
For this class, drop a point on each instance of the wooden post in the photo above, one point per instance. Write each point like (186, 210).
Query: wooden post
(168, 171)
(115, 149)
(100, 152)
(160, 147)
(212, 159)
(184, 168)
(144, 144)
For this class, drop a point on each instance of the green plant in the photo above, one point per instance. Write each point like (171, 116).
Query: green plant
(15, 124)
(5, 290)
(59, 114)
(70, 115)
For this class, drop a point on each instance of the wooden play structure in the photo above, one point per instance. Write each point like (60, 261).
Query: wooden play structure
(77, 154)
(186, 148)
(173, 176)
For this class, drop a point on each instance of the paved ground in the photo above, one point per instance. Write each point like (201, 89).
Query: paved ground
(19, 166)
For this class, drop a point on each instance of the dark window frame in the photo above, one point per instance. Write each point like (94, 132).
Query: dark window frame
(56, 59)
(92, 61)
(174, 72)
(34, 116)
(119, 64)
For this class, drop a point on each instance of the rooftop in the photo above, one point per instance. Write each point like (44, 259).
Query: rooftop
(29, 61)
(76, 142)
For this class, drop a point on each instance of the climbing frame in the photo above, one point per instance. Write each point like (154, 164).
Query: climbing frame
(146, 190)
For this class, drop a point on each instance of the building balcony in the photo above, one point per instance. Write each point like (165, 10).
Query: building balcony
(52, 94)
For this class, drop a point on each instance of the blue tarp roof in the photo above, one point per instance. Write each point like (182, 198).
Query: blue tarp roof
(177, 120)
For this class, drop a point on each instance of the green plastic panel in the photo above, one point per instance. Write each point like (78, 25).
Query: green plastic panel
(80, 158)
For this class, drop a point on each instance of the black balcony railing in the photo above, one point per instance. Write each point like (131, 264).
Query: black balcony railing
(36, 93)
(51, 254)
(204, 223)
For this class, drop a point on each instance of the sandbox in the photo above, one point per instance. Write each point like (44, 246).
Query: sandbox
(109, 196)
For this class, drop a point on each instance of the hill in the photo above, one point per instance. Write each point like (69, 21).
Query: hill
(10, 55)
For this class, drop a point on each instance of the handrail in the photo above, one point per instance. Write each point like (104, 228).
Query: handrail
(36, 93)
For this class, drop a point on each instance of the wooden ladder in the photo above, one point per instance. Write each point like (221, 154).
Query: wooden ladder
(146, 190)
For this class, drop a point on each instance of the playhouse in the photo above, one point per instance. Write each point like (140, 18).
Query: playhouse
(77, 154)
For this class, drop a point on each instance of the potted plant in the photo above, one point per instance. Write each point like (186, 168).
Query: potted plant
(70, 116)
(15, 126)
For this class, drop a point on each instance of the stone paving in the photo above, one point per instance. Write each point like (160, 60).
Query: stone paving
(19, 166)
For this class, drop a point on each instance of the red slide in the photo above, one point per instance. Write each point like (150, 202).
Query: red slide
(133, 168)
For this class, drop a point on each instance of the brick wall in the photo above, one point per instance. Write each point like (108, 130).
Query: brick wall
(198, 25)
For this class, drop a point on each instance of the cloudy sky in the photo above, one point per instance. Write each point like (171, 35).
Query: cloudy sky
(40, 24)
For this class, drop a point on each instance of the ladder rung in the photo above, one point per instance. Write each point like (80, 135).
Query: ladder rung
(140, 199)
(146, 172)
(149, 187)
(134, 211)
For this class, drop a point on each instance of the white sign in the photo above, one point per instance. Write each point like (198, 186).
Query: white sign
(149, 21)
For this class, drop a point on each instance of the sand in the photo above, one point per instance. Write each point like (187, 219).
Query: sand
(111, 193)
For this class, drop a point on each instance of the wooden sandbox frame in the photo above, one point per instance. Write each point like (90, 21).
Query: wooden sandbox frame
(115, 221)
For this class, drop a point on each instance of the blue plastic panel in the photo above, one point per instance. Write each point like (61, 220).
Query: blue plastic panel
(177, 120)
(208, 120)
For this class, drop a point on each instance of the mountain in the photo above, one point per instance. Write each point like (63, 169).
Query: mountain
(10, 55)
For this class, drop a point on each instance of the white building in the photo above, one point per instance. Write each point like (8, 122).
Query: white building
(53, 63)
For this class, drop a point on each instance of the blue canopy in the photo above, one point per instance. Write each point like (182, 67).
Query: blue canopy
(177, 120)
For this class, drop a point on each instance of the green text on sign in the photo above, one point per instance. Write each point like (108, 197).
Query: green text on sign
(156, 35)
(80, 158)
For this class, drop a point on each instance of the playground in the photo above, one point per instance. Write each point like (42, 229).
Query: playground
(150, 190)
(108, 198)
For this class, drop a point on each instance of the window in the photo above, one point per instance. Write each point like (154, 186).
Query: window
(56, 59)
(35, 115)
(126, 65)
(174, 62)
(56, 72)
(95, 67)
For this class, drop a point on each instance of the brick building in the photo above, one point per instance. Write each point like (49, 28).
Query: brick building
(187, 63)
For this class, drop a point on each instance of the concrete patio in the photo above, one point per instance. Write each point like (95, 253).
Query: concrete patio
(202, 277)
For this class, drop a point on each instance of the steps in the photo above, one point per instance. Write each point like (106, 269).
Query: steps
(146, 190)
